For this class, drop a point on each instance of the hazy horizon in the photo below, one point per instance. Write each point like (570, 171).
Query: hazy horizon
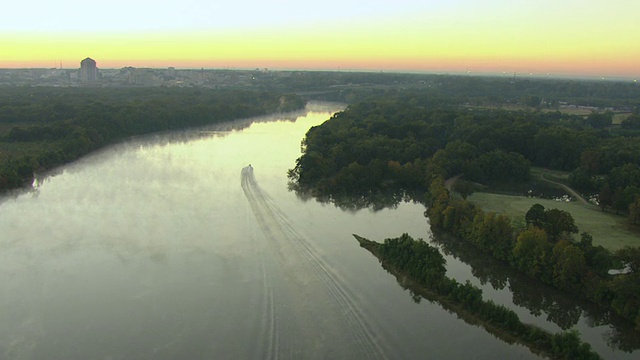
(570, 39)
(550, 76)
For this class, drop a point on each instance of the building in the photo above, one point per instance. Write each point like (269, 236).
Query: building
(88, 70)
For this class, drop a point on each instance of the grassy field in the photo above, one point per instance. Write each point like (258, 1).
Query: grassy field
(619, 118)
(513, 107)
(569, 110)
(608, 230)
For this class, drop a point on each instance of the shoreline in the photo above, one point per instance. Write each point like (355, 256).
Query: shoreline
(418, 290)
(19, 172)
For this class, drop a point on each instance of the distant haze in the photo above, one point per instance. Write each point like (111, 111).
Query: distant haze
(594, 38)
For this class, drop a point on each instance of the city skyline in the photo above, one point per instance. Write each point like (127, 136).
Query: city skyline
(586, 38)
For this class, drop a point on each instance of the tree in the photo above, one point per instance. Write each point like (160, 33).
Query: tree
(502, 245)
(625, 176)
(626, 287)
(631, 257)
(531, 100)
(438, 200)
(561, 147)
(493, 233)
(455, 157)
(631, 122)
(581, 180)
(531, 252)
(605, 197)
(619, 201)
(590, 161)
(598, 258)
(600, 120)
(555, 222)
(569, 265)
(463, 187)
(634, 212)
(559, 222)
(535, 216)
(498, 166)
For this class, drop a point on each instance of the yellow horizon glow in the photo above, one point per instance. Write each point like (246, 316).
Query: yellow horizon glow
(495, 44)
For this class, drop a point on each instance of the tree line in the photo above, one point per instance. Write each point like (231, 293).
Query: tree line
(412, 143)
(488, 91)
(545, 250)
(539, 299)
(425, 265)
(41, 128)
(402, 141)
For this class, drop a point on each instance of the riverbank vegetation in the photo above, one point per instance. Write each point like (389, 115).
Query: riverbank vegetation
(539, 299)
(545, 250)
(402, 139)
(411, 142)
(569, 96)
(41, 128)
(609, 230)
(422, 266)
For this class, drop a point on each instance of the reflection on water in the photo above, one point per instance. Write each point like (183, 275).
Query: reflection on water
(348, 202)
(153, 249)
(419, 291)
(540, 299)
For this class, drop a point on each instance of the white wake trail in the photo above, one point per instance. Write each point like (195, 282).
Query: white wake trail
(305, 263)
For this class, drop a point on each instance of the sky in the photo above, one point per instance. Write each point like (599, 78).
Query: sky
(542, 37)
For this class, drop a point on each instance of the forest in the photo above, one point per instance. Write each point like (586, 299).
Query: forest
(401, 137)
(43, 127)
(402, 142)
(353, 87)
(410, 143)
(545, 250)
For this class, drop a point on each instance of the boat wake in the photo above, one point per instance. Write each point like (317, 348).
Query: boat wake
(310, 274)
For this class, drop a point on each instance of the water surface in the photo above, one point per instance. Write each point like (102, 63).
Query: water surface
(171, 246)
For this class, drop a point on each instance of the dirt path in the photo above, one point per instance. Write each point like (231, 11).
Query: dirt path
(565, 187)
(449, 183)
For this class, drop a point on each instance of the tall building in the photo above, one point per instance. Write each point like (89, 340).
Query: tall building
(88, 70)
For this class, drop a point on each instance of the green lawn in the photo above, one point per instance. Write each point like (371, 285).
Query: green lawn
(619, 118)
(608, 230)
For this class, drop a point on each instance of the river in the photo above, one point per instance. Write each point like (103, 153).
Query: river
(171, 246)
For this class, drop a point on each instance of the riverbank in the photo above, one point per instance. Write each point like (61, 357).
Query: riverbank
(454, 297)
(608, 230)
(43, 128)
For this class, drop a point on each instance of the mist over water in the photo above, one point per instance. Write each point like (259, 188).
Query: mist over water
(171, 246)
